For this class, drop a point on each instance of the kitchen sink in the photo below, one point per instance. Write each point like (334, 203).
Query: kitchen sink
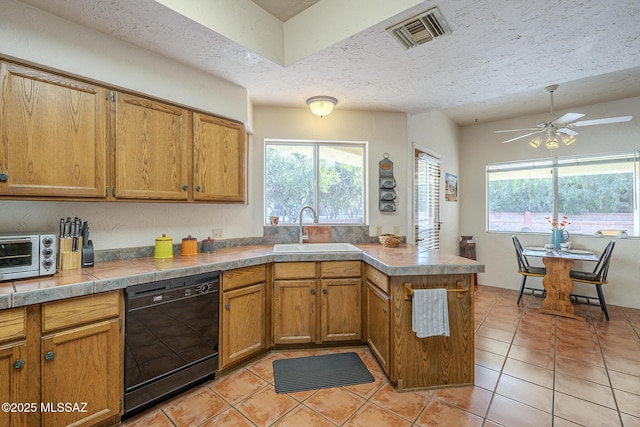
(315, 247)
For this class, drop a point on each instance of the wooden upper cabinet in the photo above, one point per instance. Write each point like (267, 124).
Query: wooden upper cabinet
(65, 138)
(53, 135)
(151, 149)
(219, 153)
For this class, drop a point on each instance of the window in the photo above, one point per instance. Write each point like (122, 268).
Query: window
(328, 176)
(427, 200)
(595, 192)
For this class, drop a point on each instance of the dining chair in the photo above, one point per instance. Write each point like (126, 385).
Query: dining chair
(524, 268)
(598, 277)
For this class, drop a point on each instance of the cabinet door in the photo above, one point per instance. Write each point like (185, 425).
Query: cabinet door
(378, 324)
(341, 313)
(13, 384)
(294, 311)
(53, 135)
(243, 323)
(82, 365)
(151, 150)
(219, 159)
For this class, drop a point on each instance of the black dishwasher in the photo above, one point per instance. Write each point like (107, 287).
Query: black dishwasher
(171, 338)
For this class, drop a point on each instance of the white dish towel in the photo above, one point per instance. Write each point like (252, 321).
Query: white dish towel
(430, 313)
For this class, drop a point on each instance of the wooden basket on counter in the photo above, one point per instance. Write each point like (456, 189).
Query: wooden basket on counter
(390, 240)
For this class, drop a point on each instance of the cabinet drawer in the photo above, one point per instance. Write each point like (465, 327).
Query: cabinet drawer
(378, 278)
(239, 277)
(341, 269)
(295, 270)
(13, 324)
(76, 311)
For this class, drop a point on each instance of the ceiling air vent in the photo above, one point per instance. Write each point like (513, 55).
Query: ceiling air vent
(420, 29)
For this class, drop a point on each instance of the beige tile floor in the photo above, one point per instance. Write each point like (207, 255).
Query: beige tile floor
(532, 369)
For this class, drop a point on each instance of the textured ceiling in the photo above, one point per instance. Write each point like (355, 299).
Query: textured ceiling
(495, 64)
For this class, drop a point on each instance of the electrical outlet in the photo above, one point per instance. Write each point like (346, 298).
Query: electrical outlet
(396, 229)
(218, 233)
(378, 229)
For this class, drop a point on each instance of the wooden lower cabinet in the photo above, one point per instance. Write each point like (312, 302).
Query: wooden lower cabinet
(81, 371)
(243, 326)
(294, 311)
(12, 382)
(437, 361)
(340, 319)
(13, 360)
(378, 324)
(243, 323)
(317, 302)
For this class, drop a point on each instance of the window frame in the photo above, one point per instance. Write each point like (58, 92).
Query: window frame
(316, 145)
(556, 164)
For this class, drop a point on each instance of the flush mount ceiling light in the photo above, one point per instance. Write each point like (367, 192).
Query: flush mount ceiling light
(321, 105)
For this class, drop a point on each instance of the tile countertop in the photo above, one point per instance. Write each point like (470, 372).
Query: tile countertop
(406, 260)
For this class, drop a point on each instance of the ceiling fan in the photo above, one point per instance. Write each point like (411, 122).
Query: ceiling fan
(551, 133)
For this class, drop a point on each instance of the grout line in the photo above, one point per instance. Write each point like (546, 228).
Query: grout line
(606, 368)
(555, 361)
(495, 389)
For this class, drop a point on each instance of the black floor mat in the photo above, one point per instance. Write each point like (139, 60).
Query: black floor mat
(314, 372)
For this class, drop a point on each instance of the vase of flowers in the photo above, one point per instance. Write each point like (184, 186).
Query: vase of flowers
(558, 233)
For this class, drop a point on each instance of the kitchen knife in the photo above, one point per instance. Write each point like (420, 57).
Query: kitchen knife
(85, 234)
(61, 228)
(75, 233)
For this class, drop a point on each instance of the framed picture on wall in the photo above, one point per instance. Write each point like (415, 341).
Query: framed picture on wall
(451, 187)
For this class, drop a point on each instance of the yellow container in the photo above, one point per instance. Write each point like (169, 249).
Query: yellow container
(164, 247)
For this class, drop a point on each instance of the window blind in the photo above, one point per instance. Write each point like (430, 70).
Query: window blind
(427, 200)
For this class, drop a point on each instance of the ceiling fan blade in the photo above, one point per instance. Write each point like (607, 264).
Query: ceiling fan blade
(568, 131)
(514, 130)
(567, 118)
(602, 121)
(523, 136)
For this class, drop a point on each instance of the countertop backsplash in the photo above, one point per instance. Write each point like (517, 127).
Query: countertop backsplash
(271, 235)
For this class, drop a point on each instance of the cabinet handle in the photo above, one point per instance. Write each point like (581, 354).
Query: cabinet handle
(227, 306)
(313, 291)
(4, 177)
(18, 363)
(198, 188)
(185, 187)
(49, 355)
(324, 291)
(384, 310)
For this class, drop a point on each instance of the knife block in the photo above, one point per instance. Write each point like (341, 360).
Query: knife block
(67, 258)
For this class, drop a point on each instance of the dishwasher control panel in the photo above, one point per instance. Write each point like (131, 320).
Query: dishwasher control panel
(164, 291)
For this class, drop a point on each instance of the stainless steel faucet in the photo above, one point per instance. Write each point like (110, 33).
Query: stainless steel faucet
(315, 221)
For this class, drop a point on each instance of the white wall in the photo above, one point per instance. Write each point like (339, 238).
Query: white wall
(479, 146)
(385, 133)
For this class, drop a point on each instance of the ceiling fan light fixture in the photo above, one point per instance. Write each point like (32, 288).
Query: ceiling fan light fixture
(321, 105)
(560, 129)
(552, 143)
